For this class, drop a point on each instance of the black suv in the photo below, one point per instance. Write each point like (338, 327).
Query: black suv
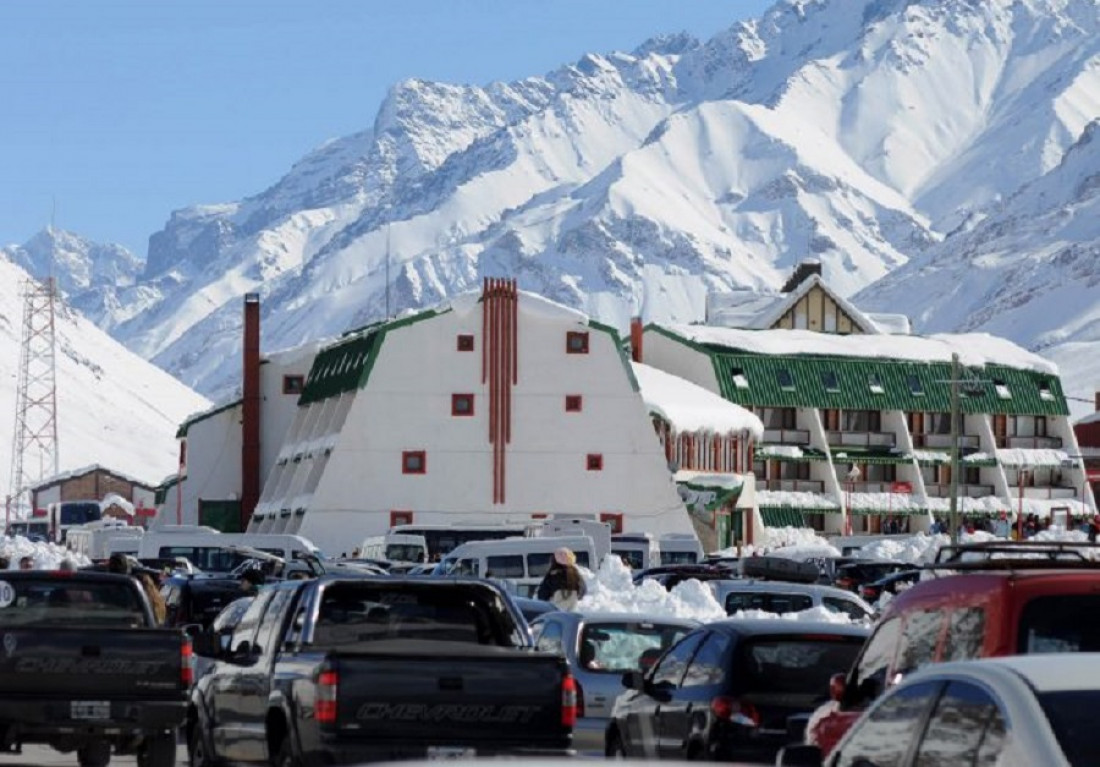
(197, 598)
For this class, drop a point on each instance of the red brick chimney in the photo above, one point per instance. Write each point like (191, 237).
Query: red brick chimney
(636, 329)
(250, 410)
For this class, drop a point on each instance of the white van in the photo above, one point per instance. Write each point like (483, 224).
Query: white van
(639, 551)
(680, 549)
(211, 552)
(519, 561)
(599, 532)
(98, 540)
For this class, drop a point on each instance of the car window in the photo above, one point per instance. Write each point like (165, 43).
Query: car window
(788, 603)
(1053, 624)
(873, 664)
(793, 663)
(231, 615)
(549, 637)
(612, 647)
(672, 666)
(269, 635)
(1072, 716)
(852, 609)
(919, 639)
(709, 664)
(250, 621)
(965, 721)
(965, 634)
(538, 564)
(504, 566)
(882, 738)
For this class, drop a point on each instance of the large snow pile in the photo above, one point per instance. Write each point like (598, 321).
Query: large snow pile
(611, 589)
(47, 556)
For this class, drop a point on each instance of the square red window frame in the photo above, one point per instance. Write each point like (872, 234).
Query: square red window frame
(399, 517)
(412, 455)
(574, 403)
(464, 342)
(293, 384)
(576, 342)
(594, 462)
(615, 519)
(456, 411)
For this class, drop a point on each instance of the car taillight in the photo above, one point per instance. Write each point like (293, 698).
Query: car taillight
(580, 697)
(569, 689)
(733, 710)
(867, 592)
(325, 709)
(187, 663)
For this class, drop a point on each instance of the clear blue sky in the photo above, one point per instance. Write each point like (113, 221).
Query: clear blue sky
(124, 110)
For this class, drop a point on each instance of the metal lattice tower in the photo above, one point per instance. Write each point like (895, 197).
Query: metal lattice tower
(34, 454)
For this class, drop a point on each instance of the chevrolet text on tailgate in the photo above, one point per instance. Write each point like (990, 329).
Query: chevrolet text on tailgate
(83, 669)
(342, 670)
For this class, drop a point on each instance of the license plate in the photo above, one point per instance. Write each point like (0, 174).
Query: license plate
(446, 753)
(90, 709)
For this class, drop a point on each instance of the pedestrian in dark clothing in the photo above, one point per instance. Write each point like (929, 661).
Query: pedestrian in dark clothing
(562, 584)
(251, 580)
(120, 563)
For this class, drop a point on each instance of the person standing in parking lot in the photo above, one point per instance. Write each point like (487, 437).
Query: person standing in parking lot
(562, 584)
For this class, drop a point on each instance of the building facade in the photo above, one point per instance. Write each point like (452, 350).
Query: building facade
(96, 483)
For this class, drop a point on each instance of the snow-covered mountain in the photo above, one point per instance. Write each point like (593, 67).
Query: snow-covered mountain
(881, 137)
(113, 408)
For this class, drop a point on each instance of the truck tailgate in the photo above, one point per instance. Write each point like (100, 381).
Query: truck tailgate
(90, 662)
(466, 694)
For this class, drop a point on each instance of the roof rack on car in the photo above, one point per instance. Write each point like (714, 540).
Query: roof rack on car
(1017, 555)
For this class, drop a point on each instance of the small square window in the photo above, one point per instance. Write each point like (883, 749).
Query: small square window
(462, 404)
(576, 342)
(1045, 393)
(573, 403)
(595, 462)
(739, 379)
(916, 388)
(875, 384)
(614, 519)
(465, 343)
(1002, 389)
(830, 381)
(400, 518)
(414, 462)
(293, 384)
(785, 379)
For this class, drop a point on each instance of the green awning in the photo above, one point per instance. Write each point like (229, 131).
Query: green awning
(783, 516)
(847, 455)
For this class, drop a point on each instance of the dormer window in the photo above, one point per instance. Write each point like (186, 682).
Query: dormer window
(739, 379)
(1045, 393)
(830, 381)
(785, 379)
(874, 383)
(916, 388)
(1002, 389)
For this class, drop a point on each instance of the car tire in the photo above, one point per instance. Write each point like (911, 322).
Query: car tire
(158, 750)
(95, 754)
(285, 756)
(613, 746)
(198, 750)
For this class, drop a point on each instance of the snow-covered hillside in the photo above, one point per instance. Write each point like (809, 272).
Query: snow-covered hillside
(881, 137)
(113, 408)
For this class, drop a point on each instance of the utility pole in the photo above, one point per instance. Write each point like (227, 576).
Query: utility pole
(954, 485)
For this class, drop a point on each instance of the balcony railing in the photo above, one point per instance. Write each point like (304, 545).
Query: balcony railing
(969, 491)
(1050, 493)
(866, 487)
(861, 438)
(944, 440)
(787, 436)
(795, 485)
(1030, 443)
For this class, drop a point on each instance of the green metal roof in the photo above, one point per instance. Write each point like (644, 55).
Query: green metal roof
(181, 432)
(809, 509)
(900, 381)
(782, 516)
(346, 365)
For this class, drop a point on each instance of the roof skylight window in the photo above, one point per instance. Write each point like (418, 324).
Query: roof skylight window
(916, 388)
(875, 384)
(1002, 389)
(830, 381)
(1045, 393)
(739, 379)
(785, 379)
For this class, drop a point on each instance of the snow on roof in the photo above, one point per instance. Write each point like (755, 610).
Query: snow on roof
(691, 408)
(897, 324)
(72, 473)
(709, 479)
(1025, 457)
(798, 500)
(532, 303)
(114, 499)
(777, 310)
(974, 349)
(1090, 418)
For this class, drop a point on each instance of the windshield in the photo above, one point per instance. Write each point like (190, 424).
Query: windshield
(679, 557)
(1072, 716)
(613, 648)
(1053, 624)
(59, 601)
(405, 552)
(633, 559)
(73, 513)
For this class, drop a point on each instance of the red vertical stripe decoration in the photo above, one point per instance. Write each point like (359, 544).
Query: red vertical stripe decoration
(500, 367)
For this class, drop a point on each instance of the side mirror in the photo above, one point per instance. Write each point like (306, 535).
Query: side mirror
(799, 756)
(193, 630)
(838, 685)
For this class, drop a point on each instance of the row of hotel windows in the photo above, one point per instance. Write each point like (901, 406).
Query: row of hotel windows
(576, 342)
(612, 518)
(830, 381)
(416, 462)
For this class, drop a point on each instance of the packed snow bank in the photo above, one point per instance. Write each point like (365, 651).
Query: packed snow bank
(813, 614)
(611, 589)
(47, 556)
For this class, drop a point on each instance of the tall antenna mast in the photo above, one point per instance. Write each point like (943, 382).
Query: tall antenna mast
(387, 270)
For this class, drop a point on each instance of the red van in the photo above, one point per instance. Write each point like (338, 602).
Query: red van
(1006, 599)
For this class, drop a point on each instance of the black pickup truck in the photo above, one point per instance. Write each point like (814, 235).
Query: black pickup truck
(82, 668)
(341, 670)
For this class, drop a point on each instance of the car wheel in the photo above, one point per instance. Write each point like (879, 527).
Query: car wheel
(95, 754)
(613, 746)
(158, 750)
(198, 752)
